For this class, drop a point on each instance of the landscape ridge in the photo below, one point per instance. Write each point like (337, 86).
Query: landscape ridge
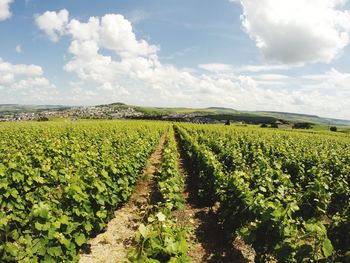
(119, 110)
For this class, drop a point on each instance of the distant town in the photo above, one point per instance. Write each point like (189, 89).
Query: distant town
(111, 111)
(72, 113)
(118, 110)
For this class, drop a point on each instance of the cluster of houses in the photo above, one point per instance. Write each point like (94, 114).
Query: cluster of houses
(72, 113)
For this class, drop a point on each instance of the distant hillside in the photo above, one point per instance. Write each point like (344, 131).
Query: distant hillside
(16, 108)
(220, 113)
(210, 114)
(166, 111)
(297, 117)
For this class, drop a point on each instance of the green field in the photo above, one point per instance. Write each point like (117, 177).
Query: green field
(284, 193)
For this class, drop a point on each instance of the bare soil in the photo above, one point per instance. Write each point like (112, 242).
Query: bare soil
(113, 245)
(208, 242)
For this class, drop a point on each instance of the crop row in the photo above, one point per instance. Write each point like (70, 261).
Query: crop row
(286, 194)
(60, 183)
(160, 238)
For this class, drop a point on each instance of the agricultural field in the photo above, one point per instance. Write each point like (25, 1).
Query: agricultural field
(59, 183)
(285, 193)
(187, 193)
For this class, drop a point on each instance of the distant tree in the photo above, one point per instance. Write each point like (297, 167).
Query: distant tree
(227, 122)
(43, 118)
(333, 129)
(302, 125)
(264, 125)
(282, 121)
(274, 125)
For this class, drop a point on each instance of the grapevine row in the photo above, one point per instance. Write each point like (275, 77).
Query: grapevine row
(276, 211)
(160, 238)
(59, 184)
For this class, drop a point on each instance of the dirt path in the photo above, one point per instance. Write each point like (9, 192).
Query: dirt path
(208, 242)
(114, 243)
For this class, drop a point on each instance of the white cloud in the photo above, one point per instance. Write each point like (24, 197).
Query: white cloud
(336, 81)
(138, 73)
(272, 78)
(20, 69)
(116, 34)
(267, 67)
(84, 31)
(24, 83)
(18, 49)
(5, 12)
(297, 31)
(112, 64)
(52, 23)
(323, 94)
(216, 67)
(226, 68)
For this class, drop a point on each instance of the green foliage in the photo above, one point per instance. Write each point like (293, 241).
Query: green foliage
(302, 125)
(160, 238)
(285, 193)
(169, 181)
(243, 117)
(60, 183)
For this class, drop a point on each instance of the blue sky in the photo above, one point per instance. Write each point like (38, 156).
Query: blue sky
(290, 55)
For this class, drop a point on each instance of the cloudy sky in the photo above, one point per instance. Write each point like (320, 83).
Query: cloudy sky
(279, 55)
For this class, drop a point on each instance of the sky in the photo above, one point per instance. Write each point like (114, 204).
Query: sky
(272, 55)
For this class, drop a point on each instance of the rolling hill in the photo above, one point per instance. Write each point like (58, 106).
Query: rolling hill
(211, 113)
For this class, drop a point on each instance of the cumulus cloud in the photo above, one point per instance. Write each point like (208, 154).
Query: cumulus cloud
(216, 67)
(226, 68)
(112, 64)
(24, 83)
(52, 23)
(297, 31)
(20, 69)
(267, 67)
(5, 12)
(324, 94)
(116, 34)
(334, 81)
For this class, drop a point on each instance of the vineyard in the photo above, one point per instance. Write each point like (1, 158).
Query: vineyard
(285, 194)
(60, 183)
